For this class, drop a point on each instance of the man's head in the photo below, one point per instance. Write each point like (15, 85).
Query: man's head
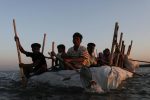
(35, 47)
(91, 47)
(106, 52)
(61, 48)
(77, 39)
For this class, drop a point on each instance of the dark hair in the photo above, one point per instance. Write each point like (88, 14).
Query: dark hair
(61, 46)
(91, 44)
(35, 45)
(106, 50)
(77, 34)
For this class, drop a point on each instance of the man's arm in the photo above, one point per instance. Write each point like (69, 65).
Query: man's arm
(80, 59)
(20, 47)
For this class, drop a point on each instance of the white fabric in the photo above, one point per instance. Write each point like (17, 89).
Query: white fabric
(105, 79)
(109, 79)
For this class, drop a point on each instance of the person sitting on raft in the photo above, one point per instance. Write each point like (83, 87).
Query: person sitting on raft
(104, 57)
(39, 64)
(59, 65)
(92, 58)
(77, 55)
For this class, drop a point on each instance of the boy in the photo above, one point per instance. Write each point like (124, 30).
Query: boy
(39, 64)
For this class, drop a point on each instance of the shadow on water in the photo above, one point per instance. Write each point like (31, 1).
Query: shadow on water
(136, 88)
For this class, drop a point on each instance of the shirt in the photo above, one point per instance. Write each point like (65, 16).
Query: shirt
(92, 60)
(37, 57)
(61, 64)
(81, 52)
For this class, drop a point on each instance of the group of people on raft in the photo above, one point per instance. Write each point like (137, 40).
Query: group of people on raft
(78, 56)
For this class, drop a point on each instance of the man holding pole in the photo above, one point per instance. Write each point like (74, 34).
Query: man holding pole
(39, 64)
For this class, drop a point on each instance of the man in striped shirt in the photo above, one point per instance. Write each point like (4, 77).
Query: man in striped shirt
(77, 55)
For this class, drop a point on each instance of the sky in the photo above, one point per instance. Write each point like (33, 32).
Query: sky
(60, 19)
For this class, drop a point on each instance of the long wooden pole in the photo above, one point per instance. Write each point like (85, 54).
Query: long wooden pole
(96, 54)
(114, 42)
(53, 43)
(119, 47)
(129, 48)
(120, 41)
(123, 53)
(120, 58)
(43, 43)
(19, 56)
(140, 60)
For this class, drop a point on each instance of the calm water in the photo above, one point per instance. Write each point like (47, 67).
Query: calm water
(136, 88)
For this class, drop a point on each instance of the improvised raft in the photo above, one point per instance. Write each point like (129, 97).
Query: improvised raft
(105, 77)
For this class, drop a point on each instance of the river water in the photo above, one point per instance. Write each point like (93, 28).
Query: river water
(136, 88)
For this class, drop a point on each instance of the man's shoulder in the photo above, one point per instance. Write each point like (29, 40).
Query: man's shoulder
(70, 49)
(38, 54)
(82, 48)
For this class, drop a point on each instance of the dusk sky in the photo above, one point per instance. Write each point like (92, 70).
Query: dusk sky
(59, 19)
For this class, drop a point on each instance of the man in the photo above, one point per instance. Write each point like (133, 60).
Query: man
(104, 57)
(39, 64)
(61, 54)
(92, 58)
(77, 55)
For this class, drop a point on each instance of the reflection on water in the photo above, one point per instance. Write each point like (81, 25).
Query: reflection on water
(136, 88)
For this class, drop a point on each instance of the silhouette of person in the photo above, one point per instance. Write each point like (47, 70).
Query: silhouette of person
(39, 64)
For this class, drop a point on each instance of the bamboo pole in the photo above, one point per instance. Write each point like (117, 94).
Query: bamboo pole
(129, 48)
(53, 43)
(116, 55)
(114, 42)
(120, 57)
(96, 54)
(123, 53)
(43, 43)
(19, 56)
(120, 41)
(119, 48)
(140, 60)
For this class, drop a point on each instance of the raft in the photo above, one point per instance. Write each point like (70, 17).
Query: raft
(107, 77)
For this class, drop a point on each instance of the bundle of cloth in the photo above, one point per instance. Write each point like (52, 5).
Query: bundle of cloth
(104, 77)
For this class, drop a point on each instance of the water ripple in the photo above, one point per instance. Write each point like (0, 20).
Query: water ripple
(136, 88)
